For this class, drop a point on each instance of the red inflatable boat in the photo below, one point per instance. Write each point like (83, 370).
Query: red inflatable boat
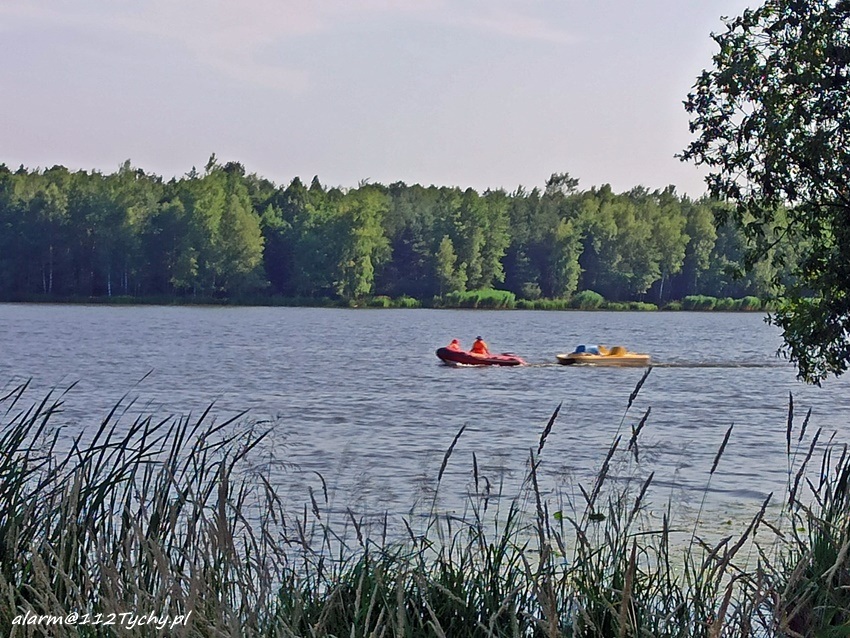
(462, 357)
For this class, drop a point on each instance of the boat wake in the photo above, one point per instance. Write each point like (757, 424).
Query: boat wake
(720, 364)
(679, 364)
(654, 364)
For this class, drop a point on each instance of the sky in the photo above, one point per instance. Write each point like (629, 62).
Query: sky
(469, 93)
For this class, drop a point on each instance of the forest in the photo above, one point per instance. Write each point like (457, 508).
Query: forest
(224, 233)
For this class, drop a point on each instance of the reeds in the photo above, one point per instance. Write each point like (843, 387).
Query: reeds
(164, 517)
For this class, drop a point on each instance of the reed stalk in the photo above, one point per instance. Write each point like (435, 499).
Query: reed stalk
(166, 517)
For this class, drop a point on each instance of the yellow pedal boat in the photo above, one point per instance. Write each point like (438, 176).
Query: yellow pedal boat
(602, 356)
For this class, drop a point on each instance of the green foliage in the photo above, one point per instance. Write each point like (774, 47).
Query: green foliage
(363, 246)
(551, 304)
(702, 236)
(406, 302)
(615, 305)
(751, 303)
(383, 301)
(587, 300)
(563, 264)
(240, 240)
(724, 304)
(531, 291)
(496, 237)
(484, 298)
(380, 301)
(642, 306)
(668, 222)
(539, 304)
(451, 276)
(623, 258)
(699, 302)
(639, 306)
(229, 235)
(768, 119)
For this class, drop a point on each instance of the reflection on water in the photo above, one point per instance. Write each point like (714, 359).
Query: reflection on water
(359, 397)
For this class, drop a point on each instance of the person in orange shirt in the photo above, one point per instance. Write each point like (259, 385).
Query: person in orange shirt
(454, 345)
(479, 347)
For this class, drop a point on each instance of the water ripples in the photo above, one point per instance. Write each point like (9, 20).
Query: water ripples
(359, 397)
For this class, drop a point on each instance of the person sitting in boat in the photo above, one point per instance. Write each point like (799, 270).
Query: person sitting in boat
(454, 345)
(479, 347)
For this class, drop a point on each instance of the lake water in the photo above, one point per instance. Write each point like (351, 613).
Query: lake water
(359, 396)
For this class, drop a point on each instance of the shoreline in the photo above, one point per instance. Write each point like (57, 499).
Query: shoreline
(385, 303)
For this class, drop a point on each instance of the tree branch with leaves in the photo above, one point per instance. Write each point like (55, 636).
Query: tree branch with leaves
(772, 124)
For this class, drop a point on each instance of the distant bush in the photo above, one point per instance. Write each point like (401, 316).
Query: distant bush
(727, 303)
(483, 298)
(642, 306)
(531, 291)
(751, 303)
(560, 304)
(496, 299)
(615, 305)
(587, 300)
(699, 302)
(381, 301)
(525, 304)
(406, 302)
(724, 304)
(551, 304)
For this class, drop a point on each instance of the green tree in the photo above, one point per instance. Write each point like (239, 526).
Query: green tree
(138, 195)
(364, 245)
(285, 239)
(226, 246)
(240, 239)
(699, 227)
(561, 184)
(276, 249)
(622, 259)
(168, 241)
(771, 120)
(50, 210)
(496, 237)
(564, 269)
(723, 274)
(536, 257)
(9, 233)
(409, 225)
(97, 224)
(451, 276)
(470, 224)
(522, 271)
(668, 236)
(319, 235)
(204, 200)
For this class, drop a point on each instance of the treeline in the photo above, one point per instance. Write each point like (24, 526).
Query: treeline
(226, 233)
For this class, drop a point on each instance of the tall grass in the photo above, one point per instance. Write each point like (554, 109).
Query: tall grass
(167, 517)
